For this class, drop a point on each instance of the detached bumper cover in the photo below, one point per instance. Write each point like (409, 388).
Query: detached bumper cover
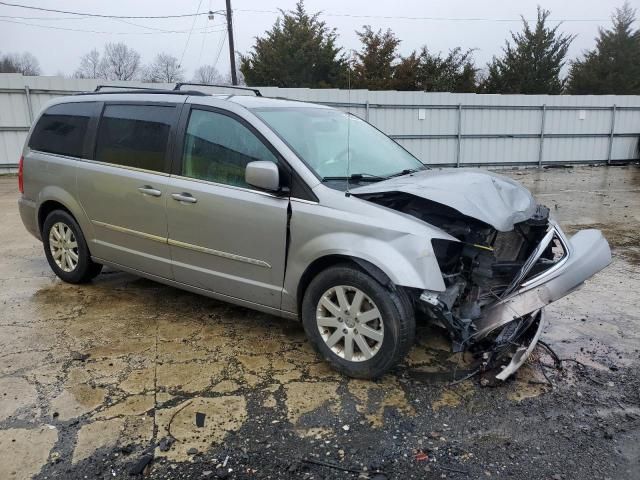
(587, 253)
(509, 329)
(522, 352)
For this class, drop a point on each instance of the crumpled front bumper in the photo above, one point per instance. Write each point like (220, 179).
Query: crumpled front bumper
(587, 252)
(522, 351)
(511, 326)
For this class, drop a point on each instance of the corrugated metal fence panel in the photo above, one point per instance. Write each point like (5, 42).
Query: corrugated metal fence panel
(11, 147)
(439, 128)
(13, 110)
(565, 150)
(627, 121)
(438, 151)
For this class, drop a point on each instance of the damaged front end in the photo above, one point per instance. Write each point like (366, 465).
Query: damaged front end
(498, 282)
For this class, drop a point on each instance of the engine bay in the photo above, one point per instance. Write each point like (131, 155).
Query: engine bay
(481, 269)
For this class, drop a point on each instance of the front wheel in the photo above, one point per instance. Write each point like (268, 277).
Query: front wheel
(66, 249)
(359, 326)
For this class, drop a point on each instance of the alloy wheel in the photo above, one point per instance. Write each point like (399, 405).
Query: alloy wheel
(63, 246)
(350, 323)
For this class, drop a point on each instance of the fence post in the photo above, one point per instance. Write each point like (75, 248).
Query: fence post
(613, 128)
(459, 135)
(366, 113)
(27, 93)
(540, 151)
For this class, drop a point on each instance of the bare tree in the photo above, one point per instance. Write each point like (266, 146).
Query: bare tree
(24, 63)
(28, 64)
(165, 68)
(90, 66)
(119, 62)
(207, 74)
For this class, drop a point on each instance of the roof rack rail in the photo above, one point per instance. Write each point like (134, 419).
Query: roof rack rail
(127, 89)
(235, 87)
(124, 87)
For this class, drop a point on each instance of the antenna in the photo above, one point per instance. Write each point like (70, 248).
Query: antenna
(347, 193)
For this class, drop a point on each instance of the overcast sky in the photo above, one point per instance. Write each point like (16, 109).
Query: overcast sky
(479, 24)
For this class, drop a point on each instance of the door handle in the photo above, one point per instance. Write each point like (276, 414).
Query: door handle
(149, 190)
(184, 197)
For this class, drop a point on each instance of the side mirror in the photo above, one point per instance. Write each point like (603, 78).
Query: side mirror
(263, 175)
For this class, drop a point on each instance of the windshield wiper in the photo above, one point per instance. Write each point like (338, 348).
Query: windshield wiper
(406, 171)
(357, 177)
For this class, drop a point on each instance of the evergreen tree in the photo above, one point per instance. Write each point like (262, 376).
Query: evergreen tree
(298, 51)
(430, 72)
(613, 67)
(374, 65)
(533, 63)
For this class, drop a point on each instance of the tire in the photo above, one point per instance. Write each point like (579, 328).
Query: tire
(60, 231)
(396, 322)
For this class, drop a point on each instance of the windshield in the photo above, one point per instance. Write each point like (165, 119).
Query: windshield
(320, 137)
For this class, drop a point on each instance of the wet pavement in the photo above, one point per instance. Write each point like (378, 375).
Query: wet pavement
(126, 375)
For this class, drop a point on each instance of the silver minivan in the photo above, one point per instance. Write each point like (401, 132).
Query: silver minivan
(301, 211)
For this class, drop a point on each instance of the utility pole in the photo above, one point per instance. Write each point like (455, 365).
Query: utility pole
(232, 54)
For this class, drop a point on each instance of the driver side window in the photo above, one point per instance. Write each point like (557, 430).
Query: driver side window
(218, 148)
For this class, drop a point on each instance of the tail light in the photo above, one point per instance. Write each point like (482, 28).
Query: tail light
(21, 175)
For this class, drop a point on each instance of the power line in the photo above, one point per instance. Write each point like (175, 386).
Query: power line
(328, 14)
(193, 24)
(147, 27)
(29, 7)
(222, 41)
(155, 32)
(204, 37)
(19, 17)
(434, 19)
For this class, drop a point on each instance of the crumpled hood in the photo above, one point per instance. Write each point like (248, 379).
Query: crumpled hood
(488, 197)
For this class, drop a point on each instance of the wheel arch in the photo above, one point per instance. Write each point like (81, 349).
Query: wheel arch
(46, 208)
(322, 263)
(56, 198)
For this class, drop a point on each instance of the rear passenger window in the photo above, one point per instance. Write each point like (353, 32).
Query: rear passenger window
(62, 129)
(135, 136)
(217, 148)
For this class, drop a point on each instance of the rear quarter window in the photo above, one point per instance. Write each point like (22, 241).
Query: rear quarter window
(62, 129)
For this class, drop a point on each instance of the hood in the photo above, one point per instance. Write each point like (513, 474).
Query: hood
(491, 198)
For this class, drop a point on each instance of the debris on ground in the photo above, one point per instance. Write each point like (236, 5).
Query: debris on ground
(420, 456)
(138, 467)
(165, 443)
(79, 357)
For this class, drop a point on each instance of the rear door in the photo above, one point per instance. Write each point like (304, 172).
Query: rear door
(225, 236)
(124, 188)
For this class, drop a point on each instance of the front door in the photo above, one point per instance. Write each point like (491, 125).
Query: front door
(224, 235)
(124, 189)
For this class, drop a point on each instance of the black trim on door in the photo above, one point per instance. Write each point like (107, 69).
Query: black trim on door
(92, 129)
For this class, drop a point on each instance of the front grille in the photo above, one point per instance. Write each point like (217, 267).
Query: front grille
(548, 254)
(507, 246)
(553, 256)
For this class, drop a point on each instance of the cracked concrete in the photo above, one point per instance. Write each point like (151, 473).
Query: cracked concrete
(23, 451)
(95, 375)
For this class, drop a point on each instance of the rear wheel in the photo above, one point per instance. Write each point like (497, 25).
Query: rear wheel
(359, 326)
(66, 249)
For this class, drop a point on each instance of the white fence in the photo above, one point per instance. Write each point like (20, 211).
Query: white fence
(439, 128)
